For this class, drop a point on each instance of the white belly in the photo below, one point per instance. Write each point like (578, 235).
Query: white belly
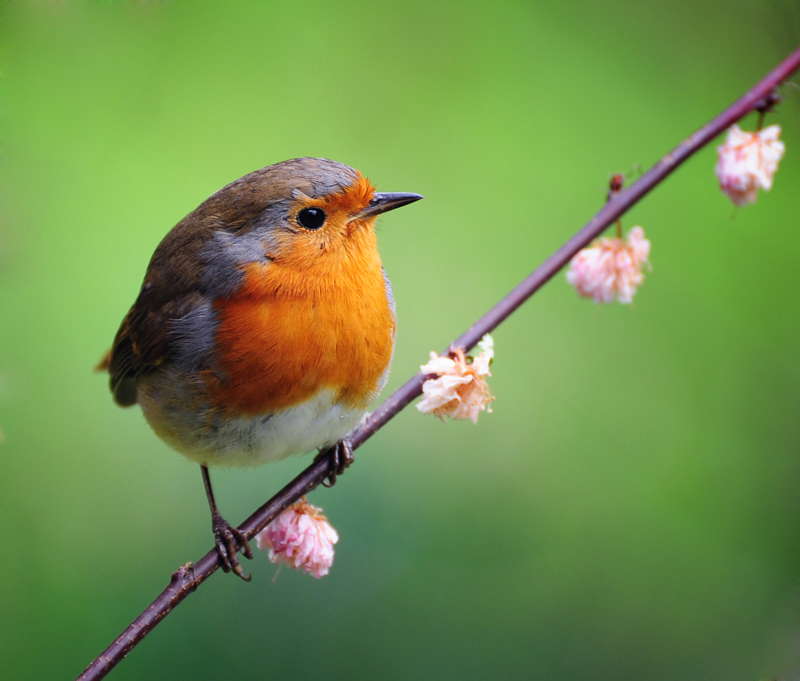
(205, 437)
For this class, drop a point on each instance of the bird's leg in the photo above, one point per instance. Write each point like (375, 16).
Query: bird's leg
(226, 537)
(340, 456)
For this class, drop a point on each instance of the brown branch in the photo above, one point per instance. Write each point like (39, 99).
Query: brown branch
(187, 578)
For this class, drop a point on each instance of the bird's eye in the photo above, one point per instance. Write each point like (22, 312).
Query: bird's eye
(311, 218)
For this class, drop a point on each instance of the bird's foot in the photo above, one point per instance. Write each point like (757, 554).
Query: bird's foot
(229, 541)
(340, 456)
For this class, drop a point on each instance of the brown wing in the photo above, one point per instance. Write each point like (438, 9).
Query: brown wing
(170, 291)
(143, 343)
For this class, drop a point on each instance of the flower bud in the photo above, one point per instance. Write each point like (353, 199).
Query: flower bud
(747, 162)
(300, 537)
(458, 390)
(610, 268)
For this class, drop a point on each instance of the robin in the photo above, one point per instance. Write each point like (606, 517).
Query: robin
(265, 325)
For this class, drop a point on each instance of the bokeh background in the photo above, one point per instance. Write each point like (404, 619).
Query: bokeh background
(629, 511)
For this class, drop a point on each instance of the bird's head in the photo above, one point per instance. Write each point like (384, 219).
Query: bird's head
(300, 214)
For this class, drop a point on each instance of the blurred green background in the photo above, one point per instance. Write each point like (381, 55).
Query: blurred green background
(631, 508)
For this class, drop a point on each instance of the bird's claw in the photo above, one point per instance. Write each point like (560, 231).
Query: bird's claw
(229, 541)
(340, 456)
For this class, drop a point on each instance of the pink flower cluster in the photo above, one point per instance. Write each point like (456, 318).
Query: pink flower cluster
(610, 268)
(459, 389)
(747, 162)
(300, 537)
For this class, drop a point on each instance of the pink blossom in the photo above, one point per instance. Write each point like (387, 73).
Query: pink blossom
(610, 267)
(459, 389)
(301, 537)
(747, 161)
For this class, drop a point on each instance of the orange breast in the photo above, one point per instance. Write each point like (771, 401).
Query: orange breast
(297, 327)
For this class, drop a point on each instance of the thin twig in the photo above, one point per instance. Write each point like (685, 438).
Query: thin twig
(187, 578)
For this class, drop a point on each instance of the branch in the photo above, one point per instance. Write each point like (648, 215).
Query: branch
(187, 578)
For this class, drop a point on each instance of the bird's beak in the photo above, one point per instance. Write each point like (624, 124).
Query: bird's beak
(384, 201)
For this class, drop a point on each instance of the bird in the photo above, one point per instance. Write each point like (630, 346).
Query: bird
(265, 325)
